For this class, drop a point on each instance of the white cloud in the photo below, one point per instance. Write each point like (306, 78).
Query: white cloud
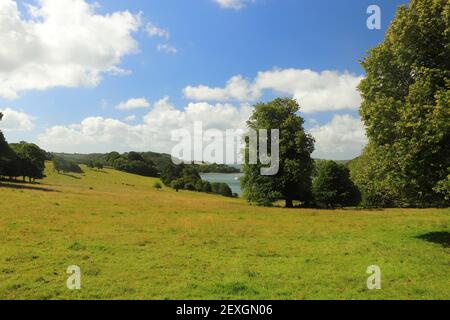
(315, 91)
(98, 134)
(231, 4)
(16, 120)
(167, 48)
(237, 88)
(343, 138)
(133, 103)
(130, 118)
(63, 43)
(155, 31)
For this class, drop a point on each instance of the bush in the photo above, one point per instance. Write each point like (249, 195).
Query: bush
(189, 186)
(60, 164)
(222, 189)
(332, 186)
(177, 185)
(206, 187)
(157, 185)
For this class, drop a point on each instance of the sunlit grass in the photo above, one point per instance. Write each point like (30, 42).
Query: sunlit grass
(133, 241)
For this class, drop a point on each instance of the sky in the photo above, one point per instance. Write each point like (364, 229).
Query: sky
(99, 76)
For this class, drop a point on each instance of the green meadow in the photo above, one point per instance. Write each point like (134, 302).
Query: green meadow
(133, 241)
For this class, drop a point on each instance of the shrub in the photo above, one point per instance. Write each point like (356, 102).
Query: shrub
(157, 185)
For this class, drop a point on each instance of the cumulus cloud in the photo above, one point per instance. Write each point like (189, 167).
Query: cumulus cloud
(315, 91)
(134, 103)
(237, 88)
(164, 47)
(16, 121)
(98, 134)
(63, 43)
(343, 138)
(155, 31)
(232, 4)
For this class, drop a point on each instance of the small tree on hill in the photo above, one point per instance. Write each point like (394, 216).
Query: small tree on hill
(332, 185)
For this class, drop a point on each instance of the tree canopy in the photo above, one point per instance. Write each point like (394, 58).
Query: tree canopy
(406, 99)
(293, 180)
(332, 186)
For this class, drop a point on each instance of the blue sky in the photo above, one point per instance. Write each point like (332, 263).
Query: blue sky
(193, 43)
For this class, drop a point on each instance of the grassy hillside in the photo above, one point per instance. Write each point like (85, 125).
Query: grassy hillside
(133, 241)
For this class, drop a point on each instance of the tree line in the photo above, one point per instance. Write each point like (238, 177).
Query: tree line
(151, 164)
(21, 160)
(187, 177)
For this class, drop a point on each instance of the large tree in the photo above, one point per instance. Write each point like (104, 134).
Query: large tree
(406, 99)
(6, 154)
(31, 160)
(293, 180)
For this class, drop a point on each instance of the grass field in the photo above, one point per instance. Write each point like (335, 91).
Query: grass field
(135, 242)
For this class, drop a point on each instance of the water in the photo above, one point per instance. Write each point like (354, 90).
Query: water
(232, 179)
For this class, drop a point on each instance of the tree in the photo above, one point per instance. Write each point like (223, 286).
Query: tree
(95, 164)
(332, 185)
(170, 172)
(6, 155)
(111, 157)
(177, 185)
(9, 164)
(31, 160)
(224, 190)
(206, 187)
(406, 99)
(134, 163)
(157, 185)
(61, 164)
(293, 181)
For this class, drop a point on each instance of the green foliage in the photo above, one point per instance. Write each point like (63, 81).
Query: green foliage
(95, 164)
(406, 99)
(206, 187)
(30, 160)
(216, 168)
(111, 157)
(6, 155)
(187, 177)
(189, 186)
(177, 184)
(134, 163)
(170, 172)
(157, 185)
(293, 181)
(222, 189)
(62, 165)
(332, 186)
(199, 186)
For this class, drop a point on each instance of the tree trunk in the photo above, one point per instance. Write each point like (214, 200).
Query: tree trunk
(289, 203)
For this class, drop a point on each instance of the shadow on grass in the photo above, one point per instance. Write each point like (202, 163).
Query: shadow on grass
(25, 187)
(102, 171)
(71, 176)
(442, 238)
